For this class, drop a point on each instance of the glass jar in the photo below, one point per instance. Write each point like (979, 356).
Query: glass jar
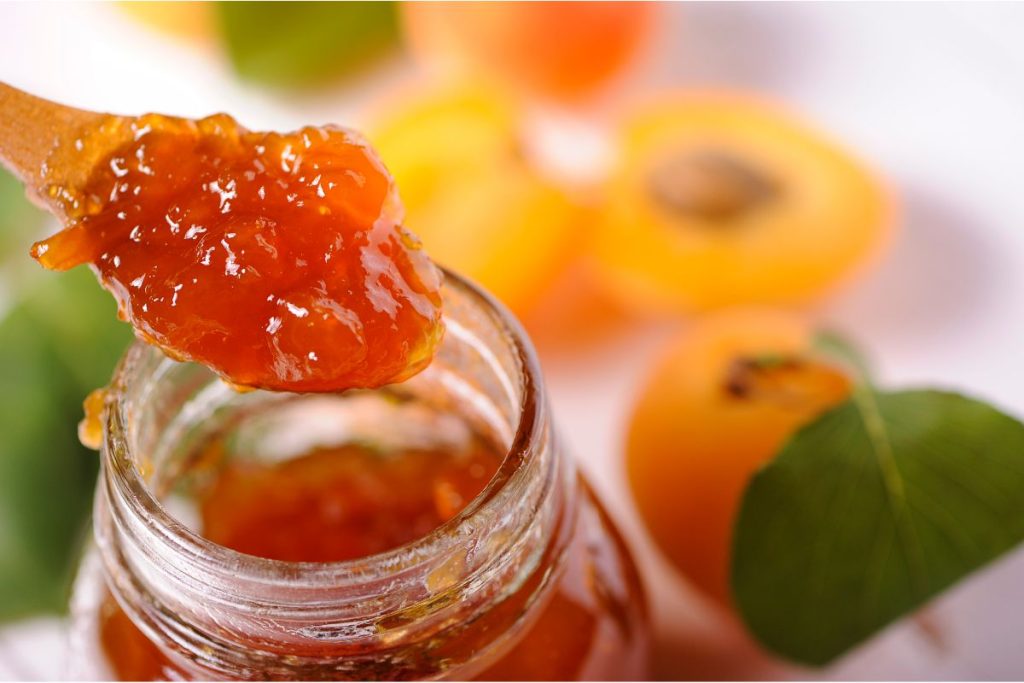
(530, 580)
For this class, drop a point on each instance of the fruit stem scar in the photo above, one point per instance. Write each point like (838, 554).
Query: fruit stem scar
(711, 185)
(790, 381)
(746, 372)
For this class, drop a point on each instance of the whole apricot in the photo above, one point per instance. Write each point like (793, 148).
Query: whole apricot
(470, 193)
(560, 50)
(719, 404)
(720, 200)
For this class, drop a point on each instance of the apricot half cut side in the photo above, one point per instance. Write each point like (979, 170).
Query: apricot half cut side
(719, 404)
(720, 200)
(470, 192)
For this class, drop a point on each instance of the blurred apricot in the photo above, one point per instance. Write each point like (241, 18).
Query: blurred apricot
(470, 194)
(561, 50)
(189, 20)
(720, 200)
(575, 311)
(719, 404)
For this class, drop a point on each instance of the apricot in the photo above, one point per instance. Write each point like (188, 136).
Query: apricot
(471, 195)
(719, 200)
(560, 50)
(718, 405)
(575, 312)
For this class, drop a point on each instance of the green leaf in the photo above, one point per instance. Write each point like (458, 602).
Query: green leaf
(869, 511)
(305, 43)
(19, 220)
(834, 345)
(56, 344)
(59, 339)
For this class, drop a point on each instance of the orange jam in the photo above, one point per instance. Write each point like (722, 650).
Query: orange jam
(329, 505)
(278, 260)
(340, 503)
(350, 501)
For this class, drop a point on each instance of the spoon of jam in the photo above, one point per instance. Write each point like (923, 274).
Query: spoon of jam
(279, 260)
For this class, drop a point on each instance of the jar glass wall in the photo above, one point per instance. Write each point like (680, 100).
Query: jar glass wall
(528, 580)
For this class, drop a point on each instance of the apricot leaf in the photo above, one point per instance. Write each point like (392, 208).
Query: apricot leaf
(59, 341)
(870, 511)
(834, 345)
(18, 219)
(303, 43)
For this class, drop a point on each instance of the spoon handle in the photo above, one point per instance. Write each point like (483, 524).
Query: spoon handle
(38, 142)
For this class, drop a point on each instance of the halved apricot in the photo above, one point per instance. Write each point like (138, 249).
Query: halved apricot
(559, 50)
(721, 200)
(720, 403)
(470, 193)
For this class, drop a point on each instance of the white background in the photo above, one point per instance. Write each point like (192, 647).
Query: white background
(931, 95)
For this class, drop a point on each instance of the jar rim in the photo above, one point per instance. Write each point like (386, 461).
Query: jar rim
(188, 543)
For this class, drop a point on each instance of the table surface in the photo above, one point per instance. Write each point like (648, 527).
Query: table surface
(932, 95)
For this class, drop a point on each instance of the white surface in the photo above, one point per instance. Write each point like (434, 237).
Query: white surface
(931, 95)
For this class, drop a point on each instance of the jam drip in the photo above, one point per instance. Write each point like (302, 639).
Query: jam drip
(278, 260)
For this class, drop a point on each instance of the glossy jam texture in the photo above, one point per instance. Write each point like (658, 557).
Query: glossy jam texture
(278, 260)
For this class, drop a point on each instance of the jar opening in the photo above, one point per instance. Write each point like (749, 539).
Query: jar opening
(485, 361)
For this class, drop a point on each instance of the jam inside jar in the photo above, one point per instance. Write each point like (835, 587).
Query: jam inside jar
(427, 529)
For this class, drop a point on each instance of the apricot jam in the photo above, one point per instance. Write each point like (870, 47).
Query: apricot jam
(328, 505)
(278, 260)
(430, 529)
(341, 503)
(344, 503)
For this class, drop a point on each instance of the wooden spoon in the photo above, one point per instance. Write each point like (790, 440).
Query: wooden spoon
(52, 148)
